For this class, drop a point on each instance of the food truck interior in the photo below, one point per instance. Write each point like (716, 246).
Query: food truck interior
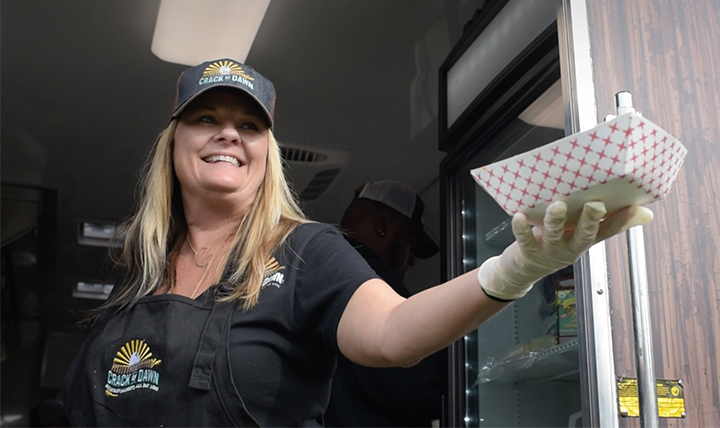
(420, 91)
(83, 98)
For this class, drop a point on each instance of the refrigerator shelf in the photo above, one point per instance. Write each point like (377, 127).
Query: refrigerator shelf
(557, 363)
(501, 234)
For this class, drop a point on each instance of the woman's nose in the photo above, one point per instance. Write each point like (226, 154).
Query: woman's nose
(228, 133)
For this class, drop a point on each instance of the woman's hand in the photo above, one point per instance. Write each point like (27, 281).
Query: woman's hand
(540, 252)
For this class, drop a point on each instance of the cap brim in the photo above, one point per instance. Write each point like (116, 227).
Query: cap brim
(178, 111)
(426, 246)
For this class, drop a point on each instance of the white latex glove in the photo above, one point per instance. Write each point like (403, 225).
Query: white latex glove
(538, 252)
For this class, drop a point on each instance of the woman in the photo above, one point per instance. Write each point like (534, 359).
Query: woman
(233, 306)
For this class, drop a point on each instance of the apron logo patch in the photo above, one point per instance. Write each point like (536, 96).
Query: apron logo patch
(273, 276)
(132, 369)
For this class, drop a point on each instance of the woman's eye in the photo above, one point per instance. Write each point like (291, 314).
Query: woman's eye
(206, 119)
(250, 126)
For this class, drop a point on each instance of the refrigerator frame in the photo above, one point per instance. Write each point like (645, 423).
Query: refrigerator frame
(522, 80)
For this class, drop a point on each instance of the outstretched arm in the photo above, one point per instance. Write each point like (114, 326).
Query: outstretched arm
(380, 328)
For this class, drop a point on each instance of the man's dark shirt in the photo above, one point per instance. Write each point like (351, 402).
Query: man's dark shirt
(385, 397)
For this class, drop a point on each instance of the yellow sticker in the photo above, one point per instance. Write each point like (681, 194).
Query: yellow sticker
(671, 401)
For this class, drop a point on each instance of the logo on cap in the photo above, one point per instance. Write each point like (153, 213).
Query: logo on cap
(225, 71)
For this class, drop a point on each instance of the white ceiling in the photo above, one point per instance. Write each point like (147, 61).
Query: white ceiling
(83, 98)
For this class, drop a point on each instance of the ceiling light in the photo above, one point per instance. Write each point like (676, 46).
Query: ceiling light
(189, 32)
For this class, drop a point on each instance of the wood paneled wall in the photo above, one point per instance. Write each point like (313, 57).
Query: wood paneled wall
(667, 54)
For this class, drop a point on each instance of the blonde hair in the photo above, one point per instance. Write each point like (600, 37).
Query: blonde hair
(150, 239)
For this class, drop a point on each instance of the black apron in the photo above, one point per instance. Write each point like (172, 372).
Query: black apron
(164, 362)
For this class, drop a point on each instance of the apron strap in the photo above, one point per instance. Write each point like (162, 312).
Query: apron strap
(201, 375)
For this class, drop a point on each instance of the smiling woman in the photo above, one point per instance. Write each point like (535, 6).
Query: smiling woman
(232, 308)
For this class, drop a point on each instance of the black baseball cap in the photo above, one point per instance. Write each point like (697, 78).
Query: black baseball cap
(404, 200)
(226, 73)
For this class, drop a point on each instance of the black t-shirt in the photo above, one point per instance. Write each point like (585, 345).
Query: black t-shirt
(283, 352)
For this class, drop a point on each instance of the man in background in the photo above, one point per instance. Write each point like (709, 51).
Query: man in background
(384, 223)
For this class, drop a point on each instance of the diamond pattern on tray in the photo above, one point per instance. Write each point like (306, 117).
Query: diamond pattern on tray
(628, 147)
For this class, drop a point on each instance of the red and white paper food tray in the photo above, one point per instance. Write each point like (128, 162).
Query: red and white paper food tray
(627, 160)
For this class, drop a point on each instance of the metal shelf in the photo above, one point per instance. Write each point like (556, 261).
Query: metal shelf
(554, 364)
(501, 235)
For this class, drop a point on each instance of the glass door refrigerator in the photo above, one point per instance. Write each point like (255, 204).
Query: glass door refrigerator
(501, 94)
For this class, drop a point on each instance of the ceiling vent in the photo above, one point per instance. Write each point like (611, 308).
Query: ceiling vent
(312, 171)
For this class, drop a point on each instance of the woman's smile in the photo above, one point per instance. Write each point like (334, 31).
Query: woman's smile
(224, 159)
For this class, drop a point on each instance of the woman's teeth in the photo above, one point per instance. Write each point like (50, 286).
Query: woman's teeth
(222, 158)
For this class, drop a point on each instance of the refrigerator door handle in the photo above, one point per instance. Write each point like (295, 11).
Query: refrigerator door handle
(642, 325)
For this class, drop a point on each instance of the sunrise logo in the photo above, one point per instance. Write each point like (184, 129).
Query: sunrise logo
(273, 276)
(132, 369)
(226, 71)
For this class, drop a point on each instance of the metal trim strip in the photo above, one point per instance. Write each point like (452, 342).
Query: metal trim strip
(595, 332)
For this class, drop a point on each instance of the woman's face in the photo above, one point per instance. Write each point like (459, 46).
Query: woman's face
(220, 148)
